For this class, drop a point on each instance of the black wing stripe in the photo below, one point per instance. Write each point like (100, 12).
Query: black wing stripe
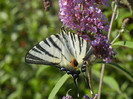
(46, 52)
(57, 36)
(74, 36)
(36, 50)
(30, 56)
(54, 44)
(82, 42)
(76, 44)
(73, 43)
(65, 57)
(87, 46)
(36, 60)
(68, 45)
(72, 40)
(46, 42)
(90, 52)
(63, 35)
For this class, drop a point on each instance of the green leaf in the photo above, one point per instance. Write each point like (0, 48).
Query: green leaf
(124, 43)
(58, 86)
(110, 81)
(121, 69)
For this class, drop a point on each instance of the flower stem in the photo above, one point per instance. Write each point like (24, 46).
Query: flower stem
(112, 19)
(101, 81)
(103, 65)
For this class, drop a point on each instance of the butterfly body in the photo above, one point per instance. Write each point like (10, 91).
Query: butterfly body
(66, 50)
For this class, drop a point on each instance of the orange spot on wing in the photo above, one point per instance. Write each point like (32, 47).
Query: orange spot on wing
(72, 64)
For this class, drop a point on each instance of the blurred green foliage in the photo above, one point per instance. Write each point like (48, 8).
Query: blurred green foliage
(23, 23)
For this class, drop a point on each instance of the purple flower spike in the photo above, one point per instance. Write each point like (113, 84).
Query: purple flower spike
(102, 48)
(77, 14)
(86, 97)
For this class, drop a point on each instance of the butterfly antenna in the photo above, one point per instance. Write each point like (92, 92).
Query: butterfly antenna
(76, 84)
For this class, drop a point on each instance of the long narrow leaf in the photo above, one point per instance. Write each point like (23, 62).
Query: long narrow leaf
(110, 81)
(58, 86)
(124, 43)
(121, 69)
(124, 71)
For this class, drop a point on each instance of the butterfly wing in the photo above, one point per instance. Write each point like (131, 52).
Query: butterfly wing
(60, 50)
(41, 54)
(51, 51)
(78, 47)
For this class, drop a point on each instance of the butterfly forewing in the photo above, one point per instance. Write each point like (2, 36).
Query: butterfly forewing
(43, 53)
(60, 50)
(51, 51)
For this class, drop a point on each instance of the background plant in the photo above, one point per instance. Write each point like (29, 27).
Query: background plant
(24, 23)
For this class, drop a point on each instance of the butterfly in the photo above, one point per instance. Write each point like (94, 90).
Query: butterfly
(66, 50)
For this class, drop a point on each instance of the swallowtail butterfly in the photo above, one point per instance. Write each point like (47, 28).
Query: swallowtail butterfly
(66, 50)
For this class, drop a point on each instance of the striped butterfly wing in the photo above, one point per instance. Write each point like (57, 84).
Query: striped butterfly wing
(78, 47)
(51, 51)
(60, 50)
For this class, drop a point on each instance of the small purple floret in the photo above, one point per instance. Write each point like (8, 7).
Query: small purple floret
(67, 97)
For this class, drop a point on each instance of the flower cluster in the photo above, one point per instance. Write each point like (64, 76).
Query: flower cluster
(88, 19)
(82, 15)
(103, 47)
